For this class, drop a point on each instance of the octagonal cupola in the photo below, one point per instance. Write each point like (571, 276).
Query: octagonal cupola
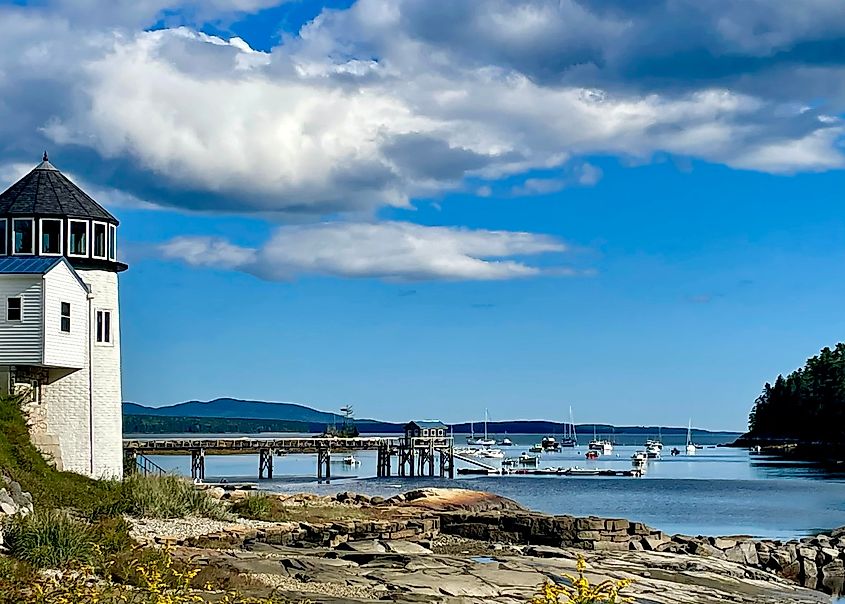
(45, 214)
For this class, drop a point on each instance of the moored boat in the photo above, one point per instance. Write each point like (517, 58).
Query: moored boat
(691, 447)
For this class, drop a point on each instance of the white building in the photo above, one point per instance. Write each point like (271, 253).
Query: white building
(59, 319)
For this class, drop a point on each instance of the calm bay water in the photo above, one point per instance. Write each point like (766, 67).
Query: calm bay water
(717, 491)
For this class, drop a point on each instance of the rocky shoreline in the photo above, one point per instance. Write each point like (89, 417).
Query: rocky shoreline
(454, 545)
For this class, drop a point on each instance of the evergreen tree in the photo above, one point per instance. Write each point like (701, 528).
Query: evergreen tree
(808, 404)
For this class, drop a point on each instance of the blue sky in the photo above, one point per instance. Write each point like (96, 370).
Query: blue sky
(426, 209)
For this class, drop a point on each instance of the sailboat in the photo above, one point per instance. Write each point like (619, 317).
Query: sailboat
(484, 442)
(604, 445)
(570, 438)
(690, 445)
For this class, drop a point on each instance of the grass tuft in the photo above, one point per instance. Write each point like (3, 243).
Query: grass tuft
(169, 497)
(258, 506)
(50, 539)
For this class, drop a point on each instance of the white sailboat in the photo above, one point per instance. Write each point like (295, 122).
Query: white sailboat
(570, 437)
(690, 445)
(483, 442)
(603, 445)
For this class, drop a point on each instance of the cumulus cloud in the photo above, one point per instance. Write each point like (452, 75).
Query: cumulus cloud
(391, 250)
(392, 100)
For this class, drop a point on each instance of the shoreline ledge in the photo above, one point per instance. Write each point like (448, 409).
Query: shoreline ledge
(459, 545)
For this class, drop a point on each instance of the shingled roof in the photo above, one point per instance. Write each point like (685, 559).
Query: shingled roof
(47, 192)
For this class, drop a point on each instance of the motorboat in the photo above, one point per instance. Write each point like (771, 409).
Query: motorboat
(505, 442)
(638, 458)
(510, 461)
(676, 451)
(592, 454)
(652, 450)
(528, 460)
(491, 453)
(351, 460)
(536, 449)
(581, 472)
(549, 443)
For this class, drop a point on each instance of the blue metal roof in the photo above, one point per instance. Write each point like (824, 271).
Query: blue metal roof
(34, 265)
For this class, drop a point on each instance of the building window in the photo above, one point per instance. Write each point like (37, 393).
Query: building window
(51, 237)
(99, 240)
(3, 236)
(112, 242)
(66, 317)
(14, 310)
(425, 431)
(78, 243)
(23, 236)
(103, 327)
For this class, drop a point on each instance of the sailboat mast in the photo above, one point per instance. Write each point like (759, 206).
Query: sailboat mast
(485, 424)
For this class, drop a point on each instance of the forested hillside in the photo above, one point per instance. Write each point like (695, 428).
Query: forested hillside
(807, 405)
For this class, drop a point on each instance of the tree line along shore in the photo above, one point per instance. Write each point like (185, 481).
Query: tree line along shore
(802, 414)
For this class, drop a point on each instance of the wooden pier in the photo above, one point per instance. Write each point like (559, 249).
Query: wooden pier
(415, 456)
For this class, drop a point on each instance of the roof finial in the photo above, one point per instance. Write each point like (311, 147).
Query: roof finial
(45, 157)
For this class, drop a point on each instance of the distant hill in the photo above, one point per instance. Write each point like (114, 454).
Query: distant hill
(315, 421)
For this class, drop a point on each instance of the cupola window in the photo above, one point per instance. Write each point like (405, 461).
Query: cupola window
(112, 242)
(78, 243)
(23, 236)
(3, 236)
(51, 237)
(99, 240)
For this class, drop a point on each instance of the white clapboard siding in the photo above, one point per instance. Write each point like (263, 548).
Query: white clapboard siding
(65, 349)
(21, 341)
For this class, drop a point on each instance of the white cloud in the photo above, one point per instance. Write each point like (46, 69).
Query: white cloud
(391, 250)
(392, 100)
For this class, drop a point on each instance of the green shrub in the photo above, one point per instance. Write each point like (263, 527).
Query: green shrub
(258, 507)
(112, 536)
(169, 497)
(50, 539)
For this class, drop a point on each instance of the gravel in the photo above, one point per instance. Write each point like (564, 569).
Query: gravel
(146, 530)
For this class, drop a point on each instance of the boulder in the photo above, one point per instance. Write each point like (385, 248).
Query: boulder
(722, 542)
(791, 571)
(838, 532)
(705, 549)
(743, 553)
(437, 499)
(833, 577)
(405, 547)
(652, 542)
(809, 573)
(783, 557)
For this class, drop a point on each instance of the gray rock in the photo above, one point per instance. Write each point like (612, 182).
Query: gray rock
(705, 549)
(652, 542)
(744, 553)
(809, 574)
(791, 571)
(10, 509)
(722, 543)
(363, 547)
(405, 547)
(838, 532)
(833, 577)
(783, 557)
(5, 497)
(545, 551)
